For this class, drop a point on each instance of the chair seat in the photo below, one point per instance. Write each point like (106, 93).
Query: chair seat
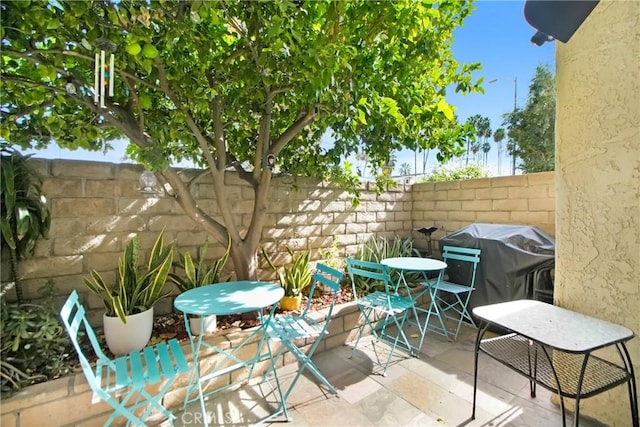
(151, 365)
(453, 288)
(379, 300)
(287, 327)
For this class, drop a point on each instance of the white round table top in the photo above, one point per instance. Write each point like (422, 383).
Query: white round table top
(414, 264)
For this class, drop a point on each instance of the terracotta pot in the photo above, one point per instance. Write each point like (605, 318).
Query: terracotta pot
(291, 303)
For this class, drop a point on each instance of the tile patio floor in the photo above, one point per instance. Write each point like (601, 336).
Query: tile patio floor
(435, 389)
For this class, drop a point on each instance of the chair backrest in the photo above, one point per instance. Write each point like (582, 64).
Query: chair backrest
(368, 270)
(462, 264)
(328, 277)
(75, 321)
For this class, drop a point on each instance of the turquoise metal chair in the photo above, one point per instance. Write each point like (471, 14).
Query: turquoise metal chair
(121, 382)
(290, 329)
(461, 269)
(380, 310)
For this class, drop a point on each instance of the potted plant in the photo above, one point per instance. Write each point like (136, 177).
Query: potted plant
(198, 273)
(293, 278)
(128, 319)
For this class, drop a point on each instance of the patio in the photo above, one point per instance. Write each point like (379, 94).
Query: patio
(433, 390)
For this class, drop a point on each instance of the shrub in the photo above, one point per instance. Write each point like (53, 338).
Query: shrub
(35, 346)
(330, 256)
(295, 277)
(378, 248)
(456, 172)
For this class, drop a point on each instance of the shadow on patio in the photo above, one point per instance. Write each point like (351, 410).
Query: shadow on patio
(435, 389)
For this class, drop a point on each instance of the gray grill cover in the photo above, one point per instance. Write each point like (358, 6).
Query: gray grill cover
(509, 254)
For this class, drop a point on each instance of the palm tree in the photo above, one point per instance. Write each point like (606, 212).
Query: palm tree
(391, 163)
(405, 169)
(498, 136)
(474, 121)
(25, 214)
(486, 147)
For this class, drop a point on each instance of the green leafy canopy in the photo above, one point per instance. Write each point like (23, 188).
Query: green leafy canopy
(225, 84)
(531, 129)
(374, 72)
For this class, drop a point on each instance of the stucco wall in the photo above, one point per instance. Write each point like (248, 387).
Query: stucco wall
(598, 179)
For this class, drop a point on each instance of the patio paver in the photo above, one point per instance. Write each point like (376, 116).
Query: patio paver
(435, 389)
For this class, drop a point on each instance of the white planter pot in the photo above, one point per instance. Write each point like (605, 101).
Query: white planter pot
(209, 324)
(123, 338)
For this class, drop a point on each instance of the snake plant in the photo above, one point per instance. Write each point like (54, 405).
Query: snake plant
(135, 291)
(198, 272)
(296, 276)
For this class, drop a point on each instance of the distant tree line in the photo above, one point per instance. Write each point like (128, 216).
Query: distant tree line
(529, 130)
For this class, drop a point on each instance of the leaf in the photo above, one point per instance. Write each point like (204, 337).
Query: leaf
(190, 269)
(145, 102)
(445, 109)
(7, 233)
(361, 117)
(53, 24)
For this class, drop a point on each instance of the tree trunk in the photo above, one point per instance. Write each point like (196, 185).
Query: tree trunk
(15, 275)
(245, 260)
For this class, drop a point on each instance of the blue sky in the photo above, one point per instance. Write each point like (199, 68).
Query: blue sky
(496, 35)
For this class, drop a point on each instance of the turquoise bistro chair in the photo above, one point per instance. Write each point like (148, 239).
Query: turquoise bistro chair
(458, 286)
(122, 382)
(380, 310)
(290, 329)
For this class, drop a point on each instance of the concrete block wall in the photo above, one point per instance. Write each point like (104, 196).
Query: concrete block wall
(97, 207)
(520, 199)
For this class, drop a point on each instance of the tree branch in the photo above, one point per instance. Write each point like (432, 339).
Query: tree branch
(234, 55)
(183, 196)
(27, 110)
(136, 100)
(305, 119)
(262, 145)
(200, 138)
(218, 173)
(242, 173)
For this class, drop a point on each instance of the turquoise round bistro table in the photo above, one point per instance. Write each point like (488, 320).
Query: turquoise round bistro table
(221, 299)
(424, 266)
(229, 298)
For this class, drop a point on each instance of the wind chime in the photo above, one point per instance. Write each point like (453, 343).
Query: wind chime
(103, 78)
